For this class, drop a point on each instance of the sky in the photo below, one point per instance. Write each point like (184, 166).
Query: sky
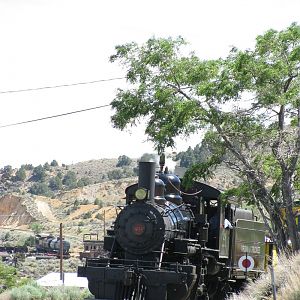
(61, 42)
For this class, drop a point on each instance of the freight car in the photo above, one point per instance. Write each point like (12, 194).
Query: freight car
(176, 243)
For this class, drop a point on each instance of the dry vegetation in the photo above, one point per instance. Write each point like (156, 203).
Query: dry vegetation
(287, 282)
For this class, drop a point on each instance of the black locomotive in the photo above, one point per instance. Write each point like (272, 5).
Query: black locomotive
(174, 243)
(51, 245)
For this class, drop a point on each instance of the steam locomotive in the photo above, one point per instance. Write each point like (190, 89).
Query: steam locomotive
(176, 243)
(51, 245)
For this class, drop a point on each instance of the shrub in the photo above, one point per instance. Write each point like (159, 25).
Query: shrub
(115, 174)
(40, 188)
(98, 202)
(8, 277)
(28, 292)
(30, 241)
(99, 216)
(55, 183)
(87, 215)
(84, 181)
(32, 291)
(36, 228)
(85, 202)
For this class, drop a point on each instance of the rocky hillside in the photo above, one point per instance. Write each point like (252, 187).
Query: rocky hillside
(84, 196)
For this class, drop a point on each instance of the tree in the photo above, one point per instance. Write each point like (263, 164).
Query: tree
(55, 183)
(54, 163)
(20, 175)
(46, 166)
(7, 172)
(70, 180)
(40, 188)
(39, 173)
(123, 160)
(248, 103)
(36, 228)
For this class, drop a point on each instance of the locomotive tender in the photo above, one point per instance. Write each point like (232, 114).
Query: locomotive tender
(174, 243)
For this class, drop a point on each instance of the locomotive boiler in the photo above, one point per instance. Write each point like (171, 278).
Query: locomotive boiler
(175, 243)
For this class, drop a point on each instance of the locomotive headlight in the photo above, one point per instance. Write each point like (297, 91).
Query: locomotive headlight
(141, 194)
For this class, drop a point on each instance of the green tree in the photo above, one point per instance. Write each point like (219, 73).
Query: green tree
(70, 180)
(248, 103)
(192, 156)
(54, 163)
(46, 166)
(7, 172)
(40, 188)
(20, 175)
(27, 167)
(39, 173)
(123, 160)
(55, 183)
(8, 277)
(36, 228)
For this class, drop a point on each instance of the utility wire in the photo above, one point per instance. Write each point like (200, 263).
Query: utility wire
(54, 116)
(61, 85)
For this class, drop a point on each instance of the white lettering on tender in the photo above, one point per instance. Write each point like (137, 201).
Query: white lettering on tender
(250, 249)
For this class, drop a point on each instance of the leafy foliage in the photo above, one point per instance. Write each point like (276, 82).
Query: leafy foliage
(6, 172)
(40, 188)
(39, 173)
(115, 174)
(55, 183)
(70, 180)
(54, 163)
(36, 227)
(247, 103)
(84, 181)
(8, 276)
(191, 156)
(20, 175)
(123, 160)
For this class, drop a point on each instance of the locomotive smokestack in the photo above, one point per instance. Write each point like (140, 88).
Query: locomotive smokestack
(147, 177)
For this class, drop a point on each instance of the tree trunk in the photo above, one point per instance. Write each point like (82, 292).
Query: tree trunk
(287, 196)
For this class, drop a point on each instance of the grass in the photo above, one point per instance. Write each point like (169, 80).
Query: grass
(287, 282)
(33, 291)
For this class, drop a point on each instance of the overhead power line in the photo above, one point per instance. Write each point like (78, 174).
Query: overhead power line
(55, 116)
(61, 85)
